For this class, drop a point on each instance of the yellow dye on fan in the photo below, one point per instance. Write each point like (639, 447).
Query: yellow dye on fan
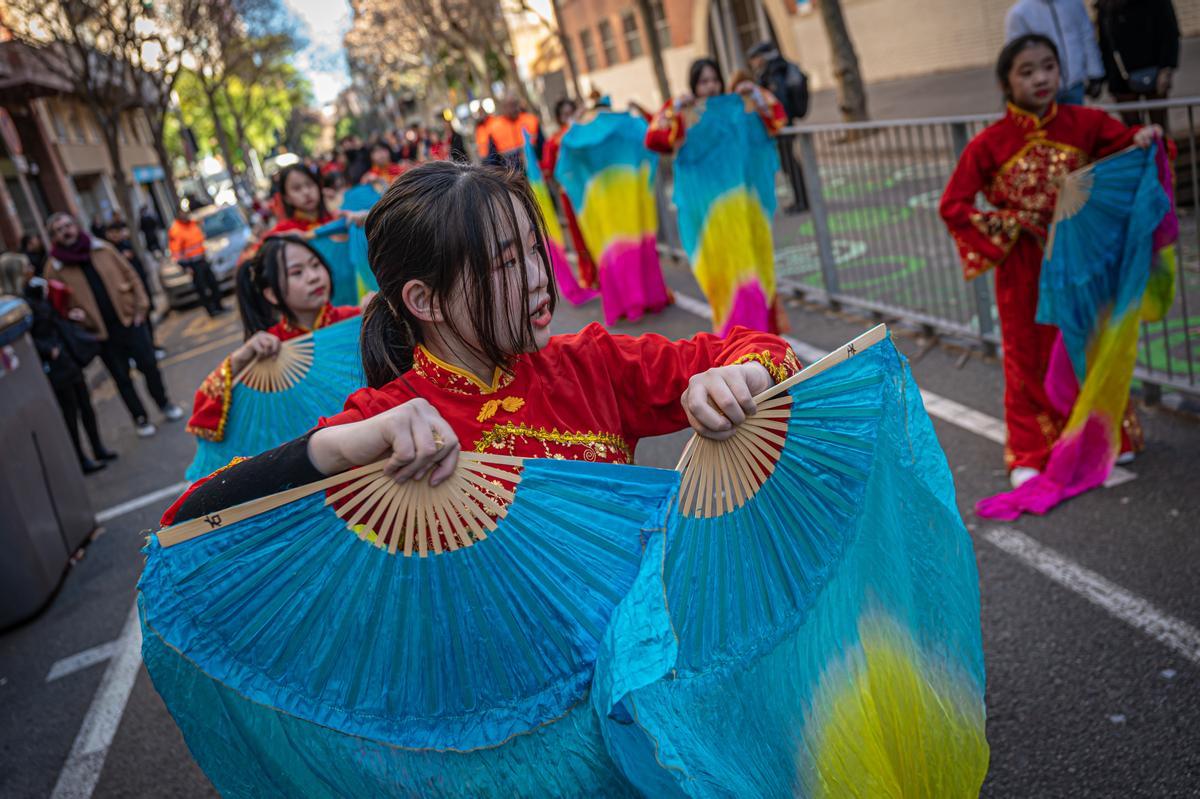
(618, 205)
(553, 229)
(735, 247)
(886, 723)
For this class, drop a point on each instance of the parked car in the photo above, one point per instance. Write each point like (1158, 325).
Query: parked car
(226, 234)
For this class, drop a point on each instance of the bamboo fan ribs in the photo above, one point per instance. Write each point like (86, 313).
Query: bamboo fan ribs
(722, 476)
(282, 372)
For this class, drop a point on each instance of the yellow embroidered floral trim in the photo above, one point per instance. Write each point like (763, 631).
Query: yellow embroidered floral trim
(779, 371)
(454, 379)
(508, 404)
(224, 373)
(494, 438)
(1027, 119)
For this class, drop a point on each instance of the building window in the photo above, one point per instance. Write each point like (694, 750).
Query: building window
(609, 43)
(58, 117)
(589, 50)
(633, 39)
(661, 28)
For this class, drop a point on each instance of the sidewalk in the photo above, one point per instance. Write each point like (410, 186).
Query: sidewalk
(968, 91)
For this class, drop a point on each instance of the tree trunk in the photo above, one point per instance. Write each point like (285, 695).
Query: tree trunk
(852, 95)
(157, 122)
(239, 129)
(656, 56)
(210, 93)
(568, 52)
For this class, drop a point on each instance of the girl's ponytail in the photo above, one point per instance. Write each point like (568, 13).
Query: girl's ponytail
(387, 343)
(257, 314)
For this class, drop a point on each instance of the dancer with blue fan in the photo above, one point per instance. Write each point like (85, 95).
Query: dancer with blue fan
(1018, 163)
(440, 646)
(283, 294)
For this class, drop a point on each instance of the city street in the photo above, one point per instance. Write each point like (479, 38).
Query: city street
(1091, 617)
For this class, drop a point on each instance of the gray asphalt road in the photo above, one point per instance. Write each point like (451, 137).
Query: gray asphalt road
(1081, 702)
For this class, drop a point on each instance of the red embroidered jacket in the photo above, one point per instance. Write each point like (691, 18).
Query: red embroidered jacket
(1017, 163)
(210, 407)
(587, 396)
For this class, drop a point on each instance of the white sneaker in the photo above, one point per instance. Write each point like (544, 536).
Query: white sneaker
(1126, 458)
(145, 429)
(173, 412)
(1022, 475)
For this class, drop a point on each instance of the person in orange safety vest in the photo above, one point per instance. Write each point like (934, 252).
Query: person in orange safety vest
(186, 240)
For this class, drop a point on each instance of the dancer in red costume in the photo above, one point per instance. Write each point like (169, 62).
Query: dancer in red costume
(1017, 163)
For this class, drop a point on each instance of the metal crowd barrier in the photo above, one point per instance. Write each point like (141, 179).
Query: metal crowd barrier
(872, 238)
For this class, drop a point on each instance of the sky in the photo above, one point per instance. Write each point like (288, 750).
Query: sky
(323, 61)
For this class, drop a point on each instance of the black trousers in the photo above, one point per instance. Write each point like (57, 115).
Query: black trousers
(76, 404)
(791, 168)
(204, 282)
(133, 343)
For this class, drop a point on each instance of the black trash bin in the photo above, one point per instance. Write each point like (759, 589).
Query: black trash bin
(45, 514)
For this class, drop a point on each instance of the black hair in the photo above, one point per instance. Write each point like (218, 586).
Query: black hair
(1010, 51)
(27, 239)
(560, 105)
(442, 223)
(697, 69)
(289, 210)
(267, 269)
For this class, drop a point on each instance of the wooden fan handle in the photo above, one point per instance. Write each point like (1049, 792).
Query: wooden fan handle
(192, 528)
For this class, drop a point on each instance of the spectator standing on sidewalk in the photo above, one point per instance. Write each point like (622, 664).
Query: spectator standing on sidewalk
(151, 228)
(34, 249)
(789, 84)
(186, 240)
(1067, 24)
(64, 351)
(1139, 42)
(117, 234)
(108, 298)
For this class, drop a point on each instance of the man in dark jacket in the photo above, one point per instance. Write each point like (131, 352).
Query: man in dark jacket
(784, 79)
(1139, 42)
(150, 227)
(107, 298)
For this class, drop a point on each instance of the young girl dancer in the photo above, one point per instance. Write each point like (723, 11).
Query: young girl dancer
(1017, 163)
(458, 353)
(283, 292)
(725, 192)
(301, 202)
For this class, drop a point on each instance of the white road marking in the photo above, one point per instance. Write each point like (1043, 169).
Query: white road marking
(82, 660)
(1120, 603)
(137, 503)
(81, 772)
(936, 405)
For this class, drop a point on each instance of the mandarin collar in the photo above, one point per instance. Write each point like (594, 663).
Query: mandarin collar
(1027, 120)
(454, 379)
(318, 323)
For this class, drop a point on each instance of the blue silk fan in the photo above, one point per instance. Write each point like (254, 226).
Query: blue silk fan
(809, 623)
(333, 242)
(275, 400)
(360, 198)
(353, 637)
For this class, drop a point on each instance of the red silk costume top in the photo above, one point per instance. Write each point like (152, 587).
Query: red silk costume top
(299, 222)
(589, 396)
(210, 407)
(669, 127)
(1017, 163)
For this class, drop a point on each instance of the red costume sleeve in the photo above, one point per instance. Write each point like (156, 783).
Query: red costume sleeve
(666, 130)
(983, 238)
(210, 407)
(773, 116)
(649, 373)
